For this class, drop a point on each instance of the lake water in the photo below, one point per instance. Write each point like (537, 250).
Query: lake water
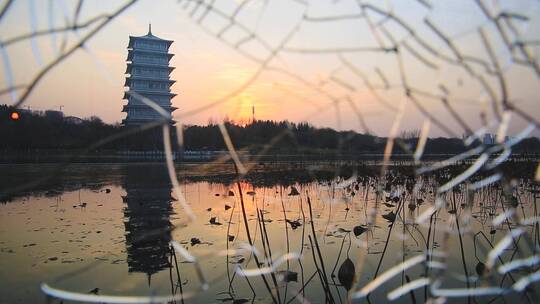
(106, 230)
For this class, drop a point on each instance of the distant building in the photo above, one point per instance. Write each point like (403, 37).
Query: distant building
(73, 120)
(148, 76)
(54, 115)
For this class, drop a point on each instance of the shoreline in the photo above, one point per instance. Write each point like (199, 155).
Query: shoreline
(59, 157)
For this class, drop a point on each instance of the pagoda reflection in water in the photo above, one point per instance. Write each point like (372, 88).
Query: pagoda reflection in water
(147, 222)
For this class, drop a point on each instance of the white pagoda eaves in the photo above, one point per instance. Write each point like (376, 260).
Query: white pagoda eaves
(148, 75)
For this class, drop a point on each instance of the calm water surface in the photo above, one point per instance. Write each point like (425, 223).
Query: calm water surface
(108, 232)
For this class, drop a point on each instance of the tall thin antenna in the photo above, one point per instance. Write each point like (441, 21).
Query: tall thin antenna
(252, 113)
(149, 28)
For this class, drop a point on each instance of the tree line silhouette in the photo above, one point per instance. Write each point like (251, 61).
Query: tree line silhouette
(42, 130)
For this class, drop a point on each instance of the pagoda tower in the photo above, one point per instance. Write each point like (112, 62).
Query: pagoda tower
(148, 75)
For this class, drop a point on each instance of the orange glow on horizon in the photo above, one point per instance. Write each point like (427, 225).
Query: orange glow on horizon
(240, 109)
(15, 116)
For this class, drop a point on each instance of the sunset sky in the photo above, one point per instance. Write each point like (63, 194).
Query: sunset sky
(315, 85)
